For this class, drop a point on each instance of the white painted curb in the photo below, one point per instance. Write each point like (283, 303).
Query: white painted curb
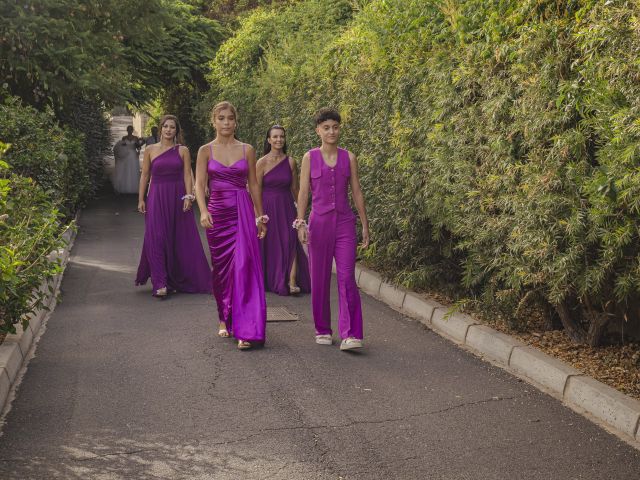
(606, 406)
(14, 350)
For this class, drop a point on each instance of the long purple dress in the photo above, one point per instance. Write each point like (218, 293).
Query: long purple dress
(281, 245)
(235, 254)
(172, 254)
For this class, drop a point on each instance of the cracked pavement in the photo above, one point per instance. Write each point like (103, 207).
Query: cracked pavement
(125, 386)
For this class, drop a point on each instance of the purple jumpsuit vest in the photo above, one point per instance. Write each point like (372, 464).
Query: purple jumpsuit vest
(332, 235)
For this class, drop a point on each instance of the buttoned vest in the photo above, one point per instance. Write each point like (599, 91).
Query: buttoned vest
(330, 185)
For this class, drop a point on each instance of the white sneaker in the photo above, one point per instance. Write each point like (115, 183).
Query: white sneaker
(324, 339)
(350, 343)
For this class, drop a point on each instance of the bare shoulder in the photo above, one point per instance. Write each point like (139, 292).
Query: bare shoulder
(292, 163)
(352, 156)
(183, 150)
(306, 157)
(249, 148)
(204, 150)
(152, 149)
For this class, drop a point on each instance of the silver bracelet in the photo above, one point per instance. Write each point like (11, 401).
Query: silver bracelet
(188, 196)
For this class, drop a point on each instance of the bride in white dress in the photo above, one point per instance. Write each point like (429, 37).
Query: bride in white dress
(126, 153)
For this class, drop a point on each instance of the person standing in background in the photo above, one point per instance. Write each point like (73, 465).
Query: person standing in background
(153, 138)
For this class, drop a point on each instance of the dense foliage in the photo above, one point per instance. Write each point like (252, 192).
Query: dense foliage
(65, 63)
(499, 140)
(118, 50)
(51, 155)
(29, 231)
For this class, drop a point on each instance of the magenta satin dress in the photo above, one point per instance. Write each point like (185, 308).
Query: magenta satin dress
(281, 245)
(172, 254)
(235, 254)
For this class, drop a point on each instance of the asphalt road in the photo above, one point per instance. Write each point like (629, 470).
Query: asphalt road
(126, 386)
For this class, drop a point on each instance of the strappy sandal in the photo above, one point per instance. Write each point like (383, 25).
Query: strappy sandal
(294, 290)
(243, 345)
(222, 331)
(161, 292)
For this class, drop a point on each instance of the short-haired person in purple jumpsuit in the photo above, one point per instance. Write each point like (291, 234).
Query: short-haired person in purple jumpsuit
(331, 233)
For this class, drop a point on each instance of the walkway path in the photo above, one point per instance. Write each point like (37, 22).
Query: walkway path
(125, 386)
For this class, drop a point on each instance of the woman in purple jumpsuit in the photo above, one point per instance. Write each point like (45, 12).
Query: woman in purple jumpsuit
(229, 167)
(286, 268)
(329, 171)
(172, 253)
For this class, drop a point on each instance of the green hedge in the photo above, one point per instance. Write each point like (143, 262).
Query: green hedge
(45, 176)
(29, 232)
(53, 156)
(499, 140)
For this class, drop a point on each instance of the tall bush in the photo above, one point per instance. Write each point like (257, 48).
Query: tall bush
(88, 116)
(29, 232)
(498, 140)
(53, 156)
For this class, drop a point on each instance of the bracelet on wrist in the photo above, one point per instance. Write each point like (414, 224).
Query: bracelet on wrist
(298, 223)
(188, 196)
(262, 219)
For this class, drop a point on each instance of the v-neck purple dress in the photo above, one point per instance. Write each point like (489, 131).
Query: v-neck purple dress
(235, 255)
(172, 253)
(281, 245)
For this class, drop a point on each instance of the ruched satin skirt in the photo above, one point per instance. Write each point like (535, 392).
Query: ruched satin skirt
(237, 271)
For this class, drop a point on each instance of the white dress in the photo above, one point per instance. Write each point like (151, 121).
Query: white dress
(127, 175)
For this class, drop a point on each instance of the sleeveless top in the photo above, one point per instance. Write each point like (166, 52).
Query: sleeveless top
(227, 177)
(278, 179)
(330, 185)
(168, 167)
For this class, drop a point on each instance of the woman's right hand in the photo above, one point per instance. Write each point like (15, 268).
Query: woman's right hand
(142, 207)
(205, 220)
(303, 235)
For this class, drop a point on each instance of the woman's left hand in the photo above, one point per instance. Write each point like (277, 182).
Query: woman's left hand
(365, 238)
(262, 230)
(186, 205)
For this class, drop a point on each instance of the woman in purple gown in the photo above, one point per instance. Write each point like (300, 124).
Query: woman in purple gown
(228, 166)
(286, 268)
(172, 254)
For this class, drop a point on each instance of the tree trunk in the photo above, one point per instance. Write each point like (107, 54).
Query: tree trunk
(570, 323)
(551, 317)
(597, 327)
(598, 321)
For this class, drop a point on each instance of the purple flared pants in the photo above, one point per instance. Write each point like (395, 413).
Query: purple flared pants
(333, 235)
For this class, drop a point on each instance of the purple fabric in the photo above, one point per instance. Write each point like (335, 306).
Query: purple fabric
(281, 245)
(332, 234)
(172, 254)
(237, 271)
(330, 185)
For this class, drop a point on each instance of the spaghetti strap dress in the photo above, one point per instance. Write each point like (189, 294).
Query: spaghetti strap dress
(238, 284)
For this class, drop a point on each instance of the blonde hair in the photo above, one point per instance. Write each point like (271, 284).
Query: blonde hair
(223, 106)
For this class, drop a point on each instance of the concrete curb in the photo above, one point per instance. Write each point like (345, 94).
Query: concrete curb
(15, 349)
(609, 408)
